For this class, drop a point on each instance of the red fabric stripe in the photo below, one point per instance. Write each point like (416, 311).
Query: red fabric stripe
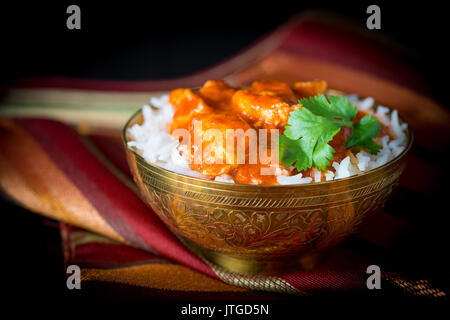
(100, 186)
(103, 85)
(113, 150)
(311, 281)
(343, 269)
(352, 49)
(111, 253)
(81, 180)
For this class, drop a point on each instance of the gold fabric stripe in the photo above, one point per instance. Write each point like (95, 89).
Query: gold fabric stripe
(159, 276)
(45, 183)
(268, 283)
(80, 237)
(77, 98)
(14, 185)
(421, 287)
(78, 107)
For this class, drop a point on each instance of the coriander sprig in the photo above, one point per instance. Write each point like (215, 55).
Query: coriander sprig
(304, 143)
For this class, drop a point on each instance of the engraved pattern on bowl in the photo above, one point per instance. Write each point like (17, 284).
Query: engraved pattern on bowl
(263, 222)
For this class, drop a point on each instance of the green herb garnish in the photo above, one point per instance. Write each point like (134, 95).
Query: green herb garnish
(310, 128)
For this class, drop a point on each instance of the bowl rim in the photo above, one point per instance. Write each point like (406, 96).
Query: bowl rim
(214, 184)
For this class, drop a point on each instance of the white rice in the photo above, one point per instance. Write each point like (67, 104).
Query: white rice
(154, 143)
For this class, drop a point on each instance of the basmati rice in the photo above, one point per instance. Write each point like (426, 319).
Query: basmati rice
(154, 143)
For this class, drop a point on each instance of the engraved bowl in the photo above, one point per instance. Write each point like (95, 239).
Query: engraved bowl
(252, 229)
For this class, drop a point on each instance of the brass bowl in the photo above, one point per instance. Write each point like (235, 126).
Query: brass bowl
(254, 229)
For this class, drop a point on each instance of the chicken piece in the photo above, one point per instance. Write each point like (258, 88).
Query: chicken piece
(308, 89)
(187, 104)
(217, 94)
(274, 88)
(251, 174)
(210, 131)
(266, 104)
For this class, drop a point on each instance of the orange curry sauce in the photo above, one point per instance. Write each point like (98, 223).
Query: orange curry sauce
(263, 105)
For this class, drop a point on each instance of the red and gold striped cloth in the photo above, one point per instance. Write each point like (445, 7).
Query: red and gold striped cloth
(79, 175)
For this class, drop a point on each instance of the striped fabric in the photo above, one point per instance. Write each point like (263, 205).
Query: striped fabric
(74, 170)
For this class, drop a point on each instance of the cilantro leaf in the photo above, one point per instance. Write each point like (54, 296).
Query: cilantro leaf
(364, 131)
(303, 123)
(315, 132)
(323, 155)
(294, 152)
(304, 143)
(336, 107)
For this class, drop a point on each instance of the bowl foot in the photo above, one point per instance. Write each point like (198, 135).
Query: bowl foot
(257, 266)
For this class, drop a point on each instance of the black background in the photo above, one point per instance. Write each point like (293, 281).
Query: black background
(162, 39)
(154, 40)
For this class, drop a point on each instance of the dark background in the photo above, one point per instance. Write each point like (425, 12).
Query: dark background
(164, 39)
(151, 40)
